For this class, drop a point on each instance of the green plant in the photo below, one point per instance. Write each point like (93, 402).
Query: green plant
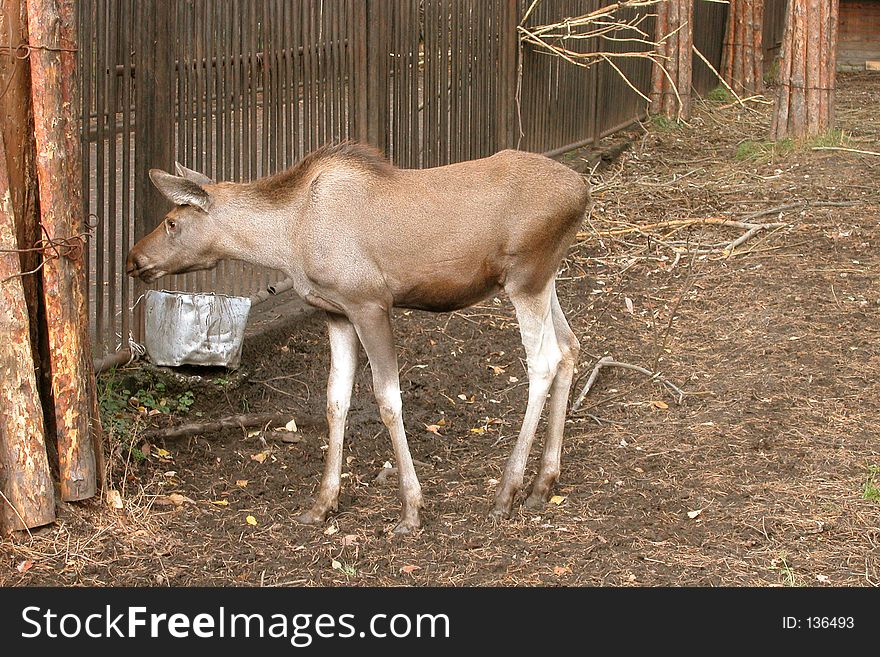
(123, 412)
(720, 94)
(768, 150)
(870, 489)
(663, 124)
(763, 150)
(789, 577)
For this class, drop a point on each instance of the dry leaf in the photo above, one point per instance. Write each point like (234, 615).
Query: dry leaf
(114, 499)
(220, 502)
(659, 404)
(163, 453)
(433, 428)
(629, 305)
(512, 379)
(557, 499)
(241, 483)
(174, 499)
(260, 456)
(291, 426)
(146, 448)
(410, 568)
(349, 540)
(254, 432)
(478, 430)
(24, 566)
(463, 397)
(561, 570)
(336, 565)
(251, 520)
(694, 514)
(496, 369)
(332, 529)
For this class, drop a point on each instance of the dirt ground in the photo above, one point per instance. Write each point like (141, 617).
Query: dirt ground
(763, 475)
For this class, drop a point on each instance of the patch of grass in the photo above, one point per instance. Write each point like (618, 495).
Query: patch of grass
(830, 138)
(870, 489)
(663, 124)
(764, 150)
(720, 94)
(771, 150)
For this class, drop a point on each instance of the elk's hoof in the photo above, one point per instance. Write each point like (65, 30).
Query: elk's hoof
(311, 517)
(406, 527)
(501, 511)
(535, 502)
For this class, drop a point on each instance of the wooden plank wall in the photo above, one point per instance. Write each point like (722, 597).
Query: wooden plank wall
(859, 37)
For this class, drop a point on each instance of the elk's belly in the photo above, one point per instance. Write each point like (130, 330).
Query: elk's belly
(447, 289)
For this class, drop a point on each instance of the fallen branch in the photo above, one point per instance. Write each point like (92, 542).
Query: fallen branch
(848, 150)
(391, 471)
(608, 361)
(233, 421)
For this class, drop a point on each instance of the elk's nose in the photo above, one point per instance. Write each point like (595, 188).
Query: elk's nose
(134, 263)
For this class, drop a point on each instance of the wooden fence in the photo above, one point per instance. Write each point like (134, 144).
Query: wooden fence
(239, 89)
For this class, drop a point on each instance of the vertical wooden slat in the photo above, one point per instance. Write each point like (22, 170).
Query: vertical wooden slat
(103, 135)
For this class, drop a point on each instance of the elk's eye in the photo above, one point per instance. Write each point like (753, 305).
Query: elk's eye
(172, 224)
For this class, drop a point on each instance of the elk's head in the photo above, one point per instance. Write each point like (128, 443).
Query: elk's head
(186, 239)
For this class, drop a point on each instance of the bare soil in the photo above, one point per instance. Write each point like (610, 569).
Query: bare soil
(762, 476)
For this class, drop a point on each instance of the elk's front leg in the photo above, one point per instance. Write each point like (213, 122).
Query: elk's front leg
(374, 329)
(343, 361)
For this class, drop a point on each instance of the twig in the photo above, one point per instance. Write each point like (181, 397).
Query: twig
(848, 150)
(608, 361)
(242, 421)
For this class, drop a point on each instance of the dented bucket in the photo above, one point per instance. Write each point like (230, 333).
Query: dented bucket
(184, 328)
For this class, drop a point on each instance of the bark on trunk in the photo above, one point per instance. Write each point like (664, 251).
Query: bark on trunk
(25, 481)
(55, 92)
(17, 128)
(674, 37)
(805, 96)
(742, 63)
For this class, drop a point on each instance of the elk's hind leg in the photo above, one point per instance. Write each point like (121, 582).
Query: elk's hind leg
(343, 362)
(543, 355)
(548, 473)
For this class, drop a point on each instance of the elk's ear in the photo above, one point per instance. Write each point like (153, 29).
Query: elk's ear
(189, 174)
(180, 191)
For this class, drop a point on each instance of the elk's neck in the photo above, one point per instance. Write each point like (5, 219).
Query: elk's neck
(256, 234)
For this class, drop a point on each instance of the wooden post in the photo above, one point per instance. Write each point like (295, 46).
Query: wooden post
(674, 37)
(742, 63)
(17, 128)
(25, 481)
(805, 96)
(55, 92)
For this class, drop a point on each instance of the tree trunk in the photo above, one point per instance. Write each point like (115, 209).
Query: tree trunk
(17, 128)
(805, 96)
(55, 91)
(671, 82)
(25, 481)
(742, 62)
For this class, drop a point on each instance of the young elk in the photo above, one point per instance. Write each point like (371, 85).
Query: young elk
(358, 236)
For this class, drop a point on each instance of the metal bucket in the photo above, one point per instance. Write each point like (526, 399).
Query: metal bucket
(185, 328)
